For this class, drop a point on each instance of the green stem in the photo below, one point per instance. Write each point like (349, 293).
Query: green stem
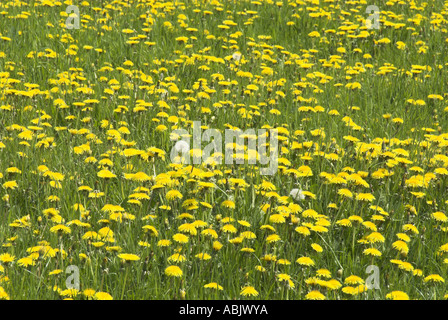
(124, 284)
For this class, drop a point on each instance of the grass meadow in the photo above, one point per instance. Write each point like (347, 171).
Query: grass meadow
(357, 208)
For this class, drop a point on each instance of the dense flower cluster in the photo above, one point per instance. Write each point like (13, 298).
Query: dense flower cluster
(86, 129)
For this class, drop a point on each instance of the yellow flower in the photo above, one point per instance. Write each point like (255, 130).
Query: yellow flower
(163, 243)
(6, 258)
(106, 174)
(177, 257)
(188, 228)
(440, 216)
(102, 296)
(318, 229)
(277, 218)
(303, 231)
(88, 293)
(323, 273)
(410, 227)
(173, 194)
(375, 237)
(60, 229)
(203, 256)
(401, 246)
(151, 230)
(106, 234)
(403, 265)
(173, 271)
(249, 291)
(286, 278)
(229, 228)
(332, 284)
(210, 232)
(181, 238)
(260, 268)
(372, 252)
(56, 272)
(71, 293)
(397, 295)
(354, 290)
(365, 197)
(400, 45)
(273, 238)
(248, 235)
(344, 222)
(228, 204)
(217, 245)
(3, 294)
(353, 280)
(283, 262)
(10, 185)
(346, 193)
(25, 262)
(305, 261)
(213, 285)
(434, 278)
(404, 237)
(417, 272)
(126, 257)
(114, 249)
(315, 295)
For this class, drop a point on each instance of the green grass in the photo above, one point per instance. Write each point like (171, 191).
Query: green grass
(261, 34)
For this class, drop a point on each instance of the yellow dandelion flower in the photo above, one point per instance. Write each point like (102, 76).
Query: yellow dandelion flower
(372, 252)
(6, 258)
(353, 280)
(434, 278)
(10, 185)
(305, 261)
(324, 273)
(102, 296)
(273, 238)
(173, 271)
(3, 294)
(177, 257)
(89, 293)
(126, 257)
(440, 216)
(303, 231)
(315, 295)
(249, 291)
(203, 256)
(229, 228)
(401, 246)
(180, 238)
(316, 247)
(213, 285)
(106, 174)
(217, 245)
(397, 295)
(375, 237)
(173, 195)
